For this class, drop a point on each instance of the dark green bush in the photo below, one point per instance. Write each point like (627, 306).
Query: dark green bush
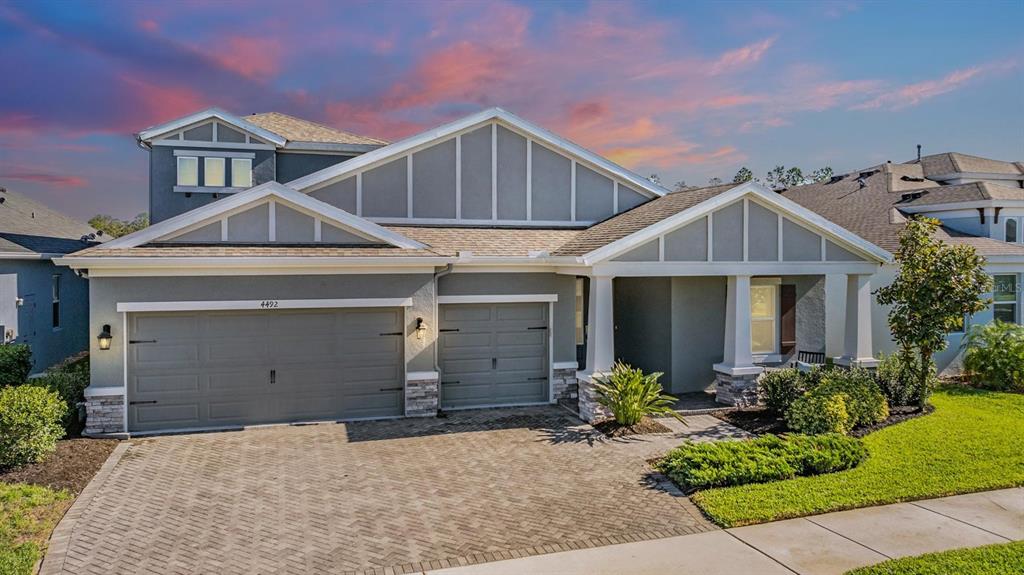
(844, 399)
(778, 389)
(767, 458)
(69, 383)
(898, 380)
(15, 363)
(994, 356)
(30, 424)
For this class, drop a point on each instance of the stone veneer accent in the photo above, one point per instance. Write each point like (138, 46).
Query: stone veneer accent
(564, 384)
(590, 409)
(104, 414)
(736, 390)
(422, 397)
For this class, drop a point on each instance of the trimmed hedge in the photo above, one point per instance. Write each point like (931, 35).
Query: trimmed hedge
(767, 458)
(30, 424)
(15, 364)
(844, 399)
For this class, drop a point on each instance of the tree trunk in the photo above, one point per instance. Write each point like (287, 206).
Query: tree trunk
(924, 375)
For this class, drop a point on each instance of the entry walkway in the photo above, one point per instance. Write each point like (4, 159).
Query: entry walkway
(828, 544)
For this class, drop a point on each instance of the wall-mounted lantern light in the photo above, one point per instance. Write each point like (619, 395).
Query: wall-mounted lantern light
(421, 328)
(104, 337)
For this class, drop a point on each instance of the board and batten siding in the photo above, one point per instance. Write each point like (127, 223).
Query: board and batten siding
(485, 175)
(743, 231)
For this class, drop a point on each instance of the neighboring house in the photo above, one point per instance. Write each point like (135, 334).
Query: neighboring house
(41, 304)
(486, 262)
(979, 201)
(210, 154)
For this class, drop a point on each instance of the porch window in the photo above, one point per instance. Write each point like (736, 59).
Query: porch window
(764, 319)
(580, 323)
(1005, 298)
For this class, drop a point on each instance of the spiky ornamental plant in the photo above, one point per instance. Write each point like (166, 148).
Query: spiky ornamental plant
(630, 394)
(937, 285)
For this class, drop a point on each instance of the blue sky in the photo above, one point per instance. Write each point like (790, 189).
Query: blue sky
(689, 90)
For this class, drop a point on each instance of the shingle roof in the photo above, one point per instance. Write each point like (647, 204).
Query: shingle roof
(957, 163)
(964, 193)
(871, 210)
(299, 130)
(35, 228)
(488, 242)
(638, 218)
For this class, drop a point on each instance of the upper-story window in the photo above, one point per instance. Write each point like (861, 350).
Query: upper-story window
(1005, 298)
(213, 172)
(1012, 233)
(241, 172)
(188, 171)
(56, 301)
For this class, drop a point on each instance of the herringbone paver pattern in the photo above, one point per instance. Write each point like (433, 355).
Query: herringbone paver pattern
(378, 497)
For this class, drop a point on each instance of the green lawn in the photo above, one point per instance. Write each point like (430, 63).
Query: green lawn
(27, 516)
(972, 442)
(1001, 559)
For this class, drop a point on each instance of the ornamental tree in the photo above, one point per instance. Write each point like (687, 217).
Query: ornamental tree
(937, 285)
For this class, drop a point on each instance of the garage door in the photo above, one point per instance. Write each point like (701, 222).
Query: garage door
(216, 368)
(494, 354)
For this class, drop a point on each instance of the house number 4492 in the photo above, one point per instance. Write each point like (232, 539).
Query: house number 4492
(268, 303)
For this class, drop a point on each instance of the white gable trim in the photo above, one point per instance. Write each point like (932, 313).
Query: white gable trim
(212, 113)
(791, 209)
(251, 198)
(531, 131)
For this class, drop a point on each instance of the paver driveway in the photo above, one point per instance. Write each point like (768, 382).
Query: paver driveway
(386, 496)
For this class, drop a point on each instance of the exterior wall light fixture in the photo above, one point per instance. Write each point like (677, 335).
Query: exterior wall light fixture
(421, 328)
(105, 338)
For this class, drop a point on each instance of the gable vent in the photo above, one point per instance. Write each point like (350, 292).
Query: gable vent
(911, 179)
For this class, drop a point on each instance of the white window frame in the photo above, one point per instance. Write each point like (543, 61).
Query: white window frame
(580, 313)
(1013, 304)
(55, 307)
(247, 169)
(774, 284)
(206, 172)
(1016, 230)
(178, 174)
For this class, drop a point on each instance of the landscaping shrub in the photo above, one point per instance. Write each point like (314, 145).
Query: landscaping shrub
(994, 356)
(631, 395)
(69, 383)
(15, 363)
(778, 389)
(815, 413)
(897, 379)
(30, 424)
(767, 458)
(844, 399)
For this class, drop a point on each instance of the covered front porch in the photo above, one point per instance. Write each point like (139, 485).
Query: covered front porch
(718, 333)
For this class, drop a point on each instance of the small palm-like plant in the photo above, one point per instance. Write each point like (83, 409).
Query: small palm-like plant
(631, 395)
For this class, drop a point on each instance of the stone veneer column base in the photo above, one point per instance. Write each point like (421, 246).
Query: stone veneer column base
(736, 390)
(564, 385)
(422, 396)
(104, 414)
(590, 410)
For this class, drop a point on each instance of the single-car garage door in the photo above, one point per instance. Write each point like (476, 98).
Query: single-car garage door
(493, 354)
(222, 368)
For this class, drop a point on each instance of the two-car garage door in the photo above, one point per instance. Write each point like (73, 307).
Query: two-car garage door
(223, 368)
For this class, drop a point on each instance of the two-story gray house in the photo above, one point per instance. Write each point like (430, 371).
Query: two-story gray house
(486, 262)
(42, 304)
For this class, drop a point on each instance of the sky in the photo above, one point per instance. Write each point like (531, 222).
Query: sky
(688, 91)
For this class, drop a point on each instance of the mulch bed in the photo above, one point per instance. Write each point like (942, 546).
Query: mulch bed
(647, 425)
(761, 421)
(71, 467)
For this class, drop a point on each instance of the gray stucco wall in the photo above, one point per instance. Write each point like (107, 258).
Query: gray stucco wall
(727, 233)
(385, 192)
(643, 329)
(207, 233)
(339, 194)
(106, 293)
(291, 225)
(250, 226)
(564, 319)
(689, 243)
(35, 316)
(165, 203)
(476, 174)
(551, 186)
(799, 244)
(594, 195)
(511, 175)
(763, 232)
(647, 252)
(433, 176)
(698, 331)
(292, 166)
(810, 313)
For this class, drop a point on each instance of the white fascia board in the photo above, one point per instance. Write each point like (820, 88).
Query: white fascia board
(211, 113)
(687, 269)
(1005, 263)
(413, 143)
(252, 196)
(510, 298)
(100, 262)
(265, 304)
(921, 208)
(27, 256)
(974, 176)
(790, 208)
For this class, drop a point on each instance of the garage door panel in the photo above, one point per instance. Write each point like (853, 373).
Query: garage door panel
(214, 368)
(531, 365)
(466, 313)
(522, 312)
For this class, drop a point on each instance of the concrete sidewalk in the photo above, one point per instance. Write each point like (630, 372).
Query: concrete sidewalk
(828, 544)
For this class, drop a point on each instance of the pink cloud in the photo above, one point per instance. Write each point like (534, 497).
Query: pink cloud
(741, 58)
(152, 103)
(149, 25)
(38, 177)
(755, 125)
(914, 94)
(255, 58)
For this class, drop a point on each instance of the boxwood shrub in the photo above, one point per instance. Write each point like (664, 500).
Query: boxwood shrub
(844, 399)
(30, 424)
(767, 458)
(15, 363)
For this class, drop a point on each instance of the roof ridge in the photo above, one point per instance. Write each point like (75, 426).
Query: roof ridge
(318, 124)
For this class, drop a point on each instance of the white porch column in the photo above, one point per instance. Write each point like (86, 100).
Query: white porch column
(738, 357)
(601, 326)
(835, 315)
(857, 347)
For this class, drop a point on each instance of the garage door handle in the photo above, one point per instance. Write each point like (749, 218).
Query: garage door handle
(494, 363)
(449, 382)
(392, 333)
(273, 376)
(141, 341)
(448, 330)
(391, 389)
(142, 402)
(536, 379)
(540, 327)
